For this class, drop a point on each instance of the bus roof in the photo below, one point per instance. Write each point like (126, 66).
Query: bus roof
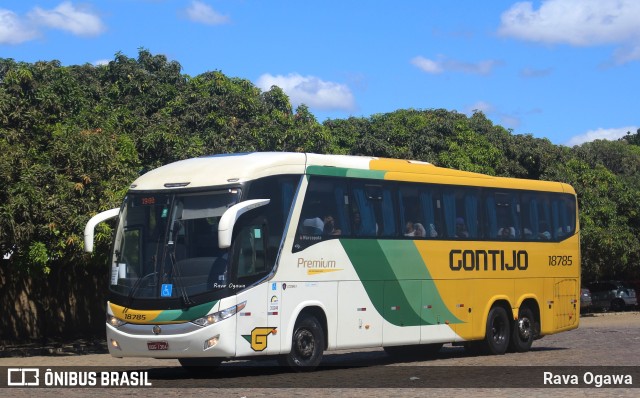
(226, 169)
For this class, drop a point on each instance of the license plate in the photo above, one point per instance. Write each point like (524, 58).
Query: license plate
(157, 345)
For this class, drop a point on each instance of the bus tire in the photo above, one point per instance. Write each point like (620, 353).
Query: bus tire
(523, 331)
(496, 340)
(200, 366)
(307, 345)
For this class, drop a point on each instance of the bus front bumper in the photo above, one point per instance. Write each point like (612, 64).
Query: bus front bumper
(173, 340)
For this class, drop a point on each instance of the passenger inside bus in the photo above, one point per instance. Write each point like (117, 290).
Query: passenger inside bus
(432, 231)
(543, 229)
(312, 226)
(409, 230)
(330, 227)
(414, 229)
(461, 228)
(507, 232)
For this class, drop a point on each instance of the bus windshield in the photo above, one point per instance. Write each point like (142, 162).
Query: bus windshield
(166, 245)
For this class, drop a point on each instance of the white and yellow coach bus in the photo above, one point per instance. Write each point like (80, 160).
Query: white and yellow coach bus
(293, 254)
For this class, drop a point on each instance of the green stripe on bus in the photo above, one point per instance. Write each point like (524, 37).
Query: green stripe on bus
(407, 264)
(189, 314)
(345, 172)
(393, 275)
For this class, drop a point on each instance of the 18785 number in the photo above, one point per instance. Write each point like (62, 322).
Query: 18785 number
(560, 261)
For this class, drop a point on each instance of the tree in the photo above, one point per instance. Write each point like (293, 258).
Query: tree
(633, 139)
(610, 245)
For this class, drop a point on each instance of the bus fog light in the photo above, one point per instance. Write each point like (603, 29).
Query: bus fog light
(211, 342)
(115, 344)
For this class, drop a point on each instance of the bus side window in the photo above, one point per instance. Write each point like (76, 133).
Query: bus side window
(563, 214)
(364, 214)
(374, 212)
(503, 215)
(388, 213)
(251, 252)
(537, 216)
(416, 211)
(324, 213)
(461, 212)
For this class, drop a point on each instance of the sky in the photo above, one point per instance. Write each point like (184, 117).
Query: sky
(566, 70)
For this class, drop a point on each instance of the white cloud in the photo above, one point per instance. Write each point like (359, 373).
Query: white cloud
(311, 91)
(508, 120)
(203, 13)
(531, 72)
(444, 64)
(427, 65)
(626, 54)
(481, 106)
(101, 62)
(13, 29)
(601, 134)
(577, 23)
(66, 16)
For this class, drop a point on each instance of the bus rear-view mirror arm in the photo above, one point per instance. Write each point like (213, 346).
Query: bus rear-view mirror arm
(229, 218)
(89, 230)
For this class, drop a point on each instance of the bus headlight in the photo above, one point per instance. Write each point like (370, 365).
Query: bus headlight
(220, 315)
(115, 322)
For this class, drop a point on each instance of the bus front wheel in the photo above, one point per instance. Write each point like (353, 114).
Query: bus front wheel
(307, 345)
(498, 331)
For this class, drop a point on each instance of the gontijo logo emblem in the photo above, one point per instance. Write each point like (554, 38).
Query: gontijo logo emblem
(258, 337)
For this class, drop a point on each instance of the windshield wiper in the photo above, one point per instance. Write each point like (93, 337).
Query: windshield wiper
(175, 274)
(177, 277)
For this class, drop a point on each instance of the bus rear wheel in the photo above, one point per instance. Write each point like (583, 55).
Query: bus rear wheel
(497, 334)
(523, 331)
(307, 345)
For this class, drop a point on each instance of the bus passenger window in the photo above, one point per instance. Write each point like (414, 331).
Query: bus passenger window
(416, 211)
(324, 213)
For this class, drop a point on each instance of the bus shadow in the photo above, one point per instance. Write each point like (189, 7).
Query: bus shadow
(269, 367)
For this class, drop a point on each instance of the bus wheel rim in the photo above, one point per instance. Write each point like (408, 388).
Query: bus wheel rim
(305, 343)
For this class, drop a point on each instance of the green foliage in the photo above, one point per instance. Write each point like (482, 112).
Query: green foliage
(633, 139)
(39, 256)
(73, 138)
(609, 240)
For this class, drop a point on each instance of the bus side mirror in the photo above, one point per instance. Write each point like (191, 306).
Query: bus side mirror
(229, 218)
(89, 230)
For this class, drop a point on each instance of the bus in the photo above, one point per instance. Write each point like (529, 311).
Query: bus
(289, 255)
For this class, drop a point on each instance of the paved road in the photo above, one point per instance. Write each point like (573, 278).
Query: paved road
(601, 345)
